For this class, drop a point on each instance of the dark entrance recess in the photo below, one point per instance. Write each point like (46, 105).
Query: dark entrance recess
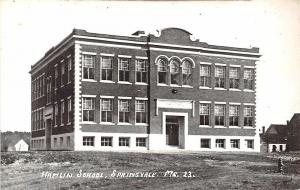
(172, 130)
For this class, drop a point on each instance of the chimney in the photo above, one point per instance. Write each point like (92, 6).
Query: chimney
(139, 33)
(263, 130)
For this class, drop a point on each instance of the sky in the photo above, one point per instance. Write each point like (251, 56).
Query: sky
(29, 28)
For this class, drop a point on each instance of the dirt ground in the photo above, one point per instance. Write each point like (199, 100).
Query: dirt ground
(148, 170)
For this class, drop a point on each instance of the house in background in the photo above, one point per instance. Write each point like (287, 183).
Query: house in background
(293, 143)
(18, 145)
(275, 138)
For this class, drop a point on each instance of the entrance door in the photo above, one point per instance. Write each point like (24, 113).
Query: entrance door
(48, 134)
(172, 131)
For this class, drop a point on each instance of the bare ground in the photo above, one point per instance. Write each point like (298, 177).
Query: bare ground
(210, 170)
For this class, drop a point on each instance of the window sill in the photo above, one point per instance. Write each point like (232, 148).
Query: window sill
(124, 123)
(124, 82)
(61, 86)
(219, 88)
(88, 122)
(107, 123)
(161, 84)
(248, 127)
(62, 125)
(88, 80)
(55, 125)
(220, 126)
(69, 82)
(205, 126)
(141, 83)
(174, 85)
(107, 81)
(248, 90)
(142, 124)
(234, 89)
(69, 123)
(187, 86)
(234, 127)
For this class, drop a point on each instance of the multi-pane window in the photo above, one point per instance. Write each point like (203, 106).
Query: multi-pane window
(141, 71)
(62, 73)
(220, 77)
(41, 118)
(204, 113)
(88, 66)
(49, 90)
(250, 144)
(162, 71)
(38, 87)
(249, 78)
(61, 141)
(124, 69)
(55, 77)
(205, 143)
(174, 72)
(141, 111)
(234, 77)
(107, 68)
(106, 106)
(43, 85)
(106, 141)
(186, 73)
(55, 113)
(140, 142)
(62, 112)
(69, 109)
(235, 143)
(248, 116)
(88, 109)
(69, 68)
(124, 111)
(220, 143)
(68, 141)
(88, 141)
(219, 115)
(124, 141)
(234, 115)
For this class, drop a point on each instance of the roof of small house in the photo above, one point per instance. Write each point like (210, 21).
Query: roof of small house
(13, 141)
(276, 134)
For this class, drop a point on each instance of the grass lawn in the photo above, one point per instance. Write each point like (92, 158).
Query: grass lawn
(123, 170)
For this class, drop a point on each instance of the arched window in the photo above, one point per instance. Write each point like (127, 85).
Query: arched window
(162, 71)
(174, 71)
(186, 73)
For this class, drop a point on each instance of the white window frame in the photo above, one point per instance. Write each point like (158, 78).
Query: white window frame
(224, 114)
(111, 69)
(93, 100)
(235, 143)
(92, 67)
(218, 79)
(111, 110)
(106, 141)
(124, 69)
(62, 112)
(143, 71)
(220, 143)
(128, 111)
(232, 115)
(124, 141)
(88, 141)
(137, 102)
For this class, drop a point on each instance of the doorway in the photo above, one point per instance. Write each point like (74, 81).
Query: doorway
(172, 131)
